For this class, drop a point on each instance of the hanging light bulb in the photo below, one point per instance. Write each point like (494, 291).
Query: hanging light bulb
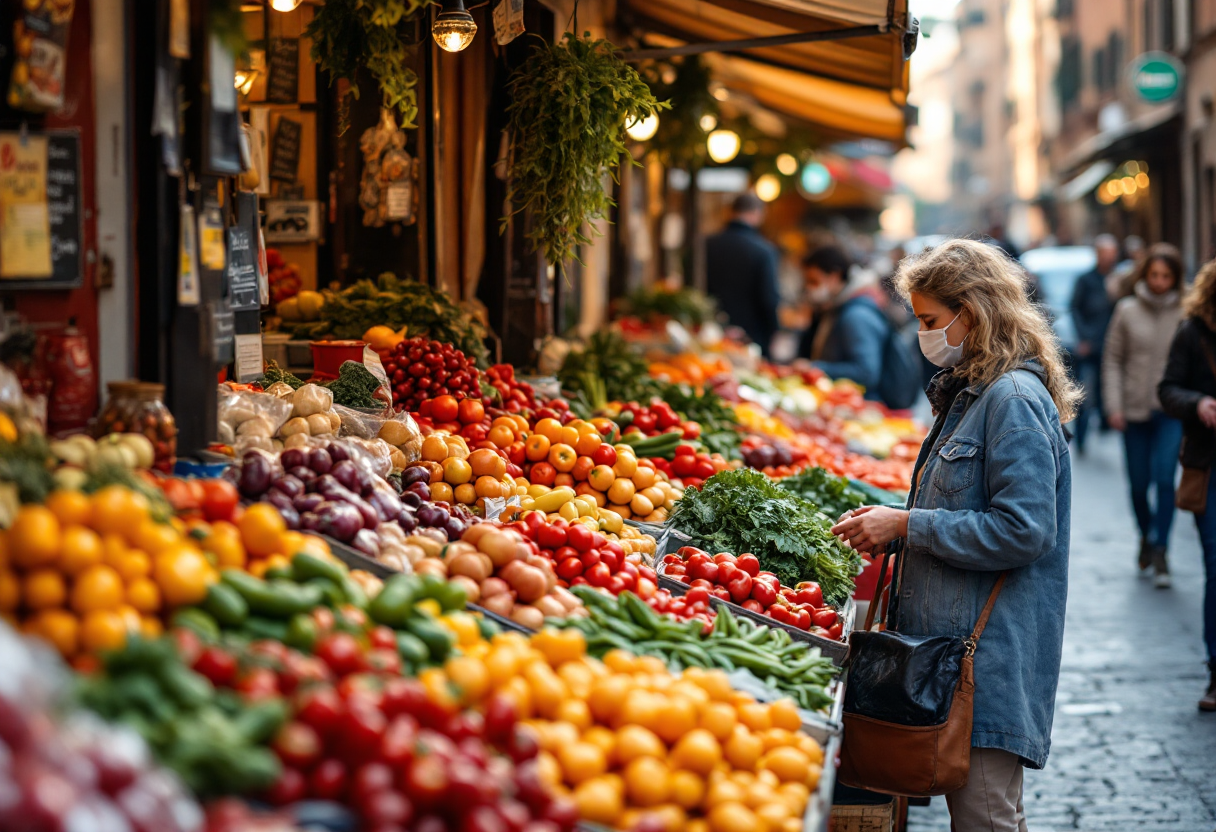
(787, 164)
(708, 122)
(284, 5)
(454, 28)
(643, 129)
(243, 80)
(723, 145)
(768, 187)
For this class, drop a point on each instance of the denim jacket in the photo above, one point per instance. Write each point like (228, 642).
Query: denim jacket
(995, 494)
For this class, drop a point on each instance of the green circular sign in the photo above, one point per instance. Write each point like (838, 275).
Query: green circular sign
(1155, 77)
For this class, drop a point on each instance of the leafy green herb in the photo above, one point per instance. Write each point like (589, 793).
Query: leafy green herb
(397, 303)
(349, 34)
(687, 305)
(24, 463)
(719, 425)
(834, 495)
(274, 374)
(606, 369)
(743, 511)
(355, 386)
(570, 104)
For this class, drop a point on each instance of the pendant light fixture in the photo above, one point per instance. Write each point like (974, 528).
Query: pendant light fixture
(723, 145)
(644, 129)
(284, 5)
(454, 28)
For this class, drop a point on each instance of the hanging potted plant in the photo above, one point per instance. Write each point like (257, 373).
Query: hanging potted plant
(349, 34)
(570, 104)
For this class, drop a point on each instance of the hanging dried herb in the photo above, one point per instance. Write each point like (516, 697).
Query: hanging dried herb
(349, 34)
(570, 103)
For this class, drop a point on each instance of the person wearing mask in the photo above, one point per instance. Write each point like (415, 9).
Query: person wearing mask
(849, 331)
(991, 496)
(1091, 310)
(741, 272)
(1188, 393)
(1133, 362)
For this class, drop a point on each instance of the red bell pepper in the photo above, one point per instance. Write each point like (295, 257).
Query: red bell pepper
(740, 586)
(763, 594)
(809, 592)
(721, 593)
(825, 617)
(753, 605)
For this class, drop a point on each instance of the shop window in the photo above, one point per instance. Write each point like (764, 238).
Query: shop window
(1068, 74)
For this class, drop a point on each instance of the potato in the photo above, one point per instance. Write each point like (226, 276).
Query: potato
(432, 547)
(318, 424)
(394, 432)
(298, 425)
(530, 617)
(296, 440)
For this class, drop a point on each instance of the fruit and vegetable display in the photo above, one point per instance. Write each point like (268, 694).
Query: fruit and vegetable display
(740, 580)
(652, 306)
(283, 277)
(832, 494)
(419, 369)
(745, 512)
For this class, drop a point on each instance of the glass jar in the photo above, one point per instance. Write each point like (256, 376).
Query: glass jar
(139, 407)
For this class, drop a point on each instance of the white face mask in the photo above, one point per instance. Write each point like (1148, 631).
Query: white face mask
(937, 349)
(820, 295)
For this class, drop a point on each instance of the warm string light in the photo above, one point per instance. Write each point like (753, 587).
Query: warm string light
(453, 28)
(787, 165)
(643, 129)
(723, 145)
(284, 5)
(768, 187)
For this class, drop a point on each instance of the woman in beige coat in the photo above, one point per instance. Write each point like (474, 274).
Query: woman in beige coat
(1133, 362)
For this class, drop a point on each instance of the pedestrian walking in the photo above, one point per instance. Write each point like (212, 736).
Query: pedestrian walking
(741, 272)
(1122, 279)
(1091, 310)
(1188, 393)
(1133, 363)
(991, 497)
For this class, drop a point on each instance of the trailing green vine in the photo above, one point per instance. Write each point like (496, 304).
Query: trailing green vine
(570, 103)
(226, 23)
(349, 34)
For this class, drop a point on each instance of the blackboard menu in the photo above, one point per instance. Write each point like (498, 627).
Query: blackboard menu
(242, 271)
(283, 64)
(285, 150)
(64, 214)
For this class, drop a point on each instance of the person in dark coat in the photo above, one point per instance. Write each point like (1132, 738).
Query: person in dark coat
(741, 272)
(1188, 392)
(1091, 309)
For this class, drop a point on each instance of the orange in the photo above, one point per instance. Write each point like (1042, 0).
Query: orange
(71, 507)
(536, 448)
(581, 761)
(687, 789)
(43, 589)
(743, 749)
(154, 538)
(488, 487)
(97, 588)
(634, 742)
(434, 449)
(225, 544)
(621, 491)
(626, 464)
(678, 718)
(5, 563)
(548, 690)
(774, 814)
(183, 575)
(696, 751)
(588, 443)
(34, 538)
(620, 661)
(150, 627)
(784, 714)
(755, 716)
(442, 492)
(569, 435)
(487, 463)
(719, 719)
(261, 526)
(470, 676)
(647, 782)
(457, 471)
(549, 428)
(117, 509)
(576, 712)
(501, 435)
(607, 696)
(599, 801)
(130, 618)
(776, 737)
(643, 708)
(103, 630)
(562, 457)
(113, 549)
(81, 548)
(144, 595)
(789, 764)
(600, 736)
(60, 628)
(10, 591)
(134, 564)
(465, 493)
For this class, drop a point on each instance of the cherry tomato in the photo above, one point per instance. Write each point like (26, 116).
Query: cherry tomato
(257, 683)
(297, 744)
(218, 665)
(288, 788)
(321, 708)
(341, 652)
(328, 780)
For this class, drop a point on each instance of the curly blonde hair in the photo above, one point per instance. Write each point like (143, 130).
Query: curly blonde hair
(1200, 301)
(1007, 329)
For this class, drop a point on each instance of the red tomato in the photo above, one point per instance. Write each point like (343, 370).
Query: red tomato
(297, 745)
(360, 732)
(605, 454)
(444, 408)
(801, 619)
(809, 592)
(704, 469)
(617, 584)
(382, 636)
(684, 465)
(589, 559)
(289, 788)
(220, 499)
(321, 708)
(695, 594)
(387, 809)
(397, 744)
(579, 536)
(753, 605)
(599, 575)
(749, 563)
(258, 683)
(426, 780)
(370, 779)
(218, 665)
(341, 652)
(328, 780)
(824, 618)
(835, 631)
(609, 559)
(780, 612)
(569, 568)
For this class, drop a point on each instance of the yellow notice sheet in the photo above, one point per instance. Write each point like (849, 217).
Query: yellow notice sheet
(25, 220)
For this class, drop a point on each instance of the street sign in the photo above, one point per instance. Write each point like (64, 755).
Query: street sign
(1155, 77)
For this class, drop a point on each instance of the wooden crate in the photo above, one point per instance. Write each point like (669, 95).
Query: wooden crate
(863, 818)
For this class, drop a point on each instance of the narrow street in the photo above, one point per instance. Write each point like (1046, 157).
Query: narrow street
(1130, 751)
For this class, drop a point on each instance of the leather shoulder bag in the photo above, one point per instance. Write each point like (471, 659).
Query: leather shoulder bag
(1192, 492)
(908, 707)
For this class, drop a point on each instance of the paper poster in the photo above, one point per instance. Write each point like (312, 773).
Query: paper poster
(248, 356)
(179, 29)
(187, 270)
(211, 239)
(25, 218)
(40, 40)
(508, 21)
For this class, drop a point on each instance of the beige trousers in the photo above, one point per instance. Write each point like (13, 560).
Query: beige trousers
(992, 799)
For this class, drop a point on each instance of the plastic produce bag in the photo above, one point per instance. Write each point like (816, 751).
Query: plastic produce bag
(266, 414)
(398, 429)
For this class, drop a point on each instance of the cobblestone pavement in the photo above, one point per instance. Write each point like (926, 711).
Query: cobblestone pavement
(1130, 751)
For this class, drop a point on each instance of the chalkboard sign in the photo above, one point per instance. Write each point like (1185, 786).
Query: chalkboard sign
(242, 271)
(285, 150)
(283, 65)
(65, 215)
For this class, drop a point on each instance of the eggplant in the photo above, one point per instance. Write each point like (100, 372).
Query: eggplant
(289, 485)
(339, 520)
(365, 541)
(347, 473)
(337, 453)
(294, 458)
(320, 461)
(291, 517)
(307, 502)
(278, 499)
(256, 475)
(415, 473)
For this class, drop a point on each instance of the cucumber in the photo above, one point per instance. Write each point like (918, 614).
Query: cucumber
(275, 599)
(395, 602)
(438, 641)
(278, 573)
(259, 722)
(331, 593)
(413, 650)
(197, 620)
(189, 689)
(259, 628)
(301, 632)
(225, 605)
(305, 566)
(355, 596)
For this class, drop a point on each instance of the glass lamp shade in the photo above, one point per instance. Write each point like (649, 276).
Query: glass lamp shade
(284, 5)
(453, 30)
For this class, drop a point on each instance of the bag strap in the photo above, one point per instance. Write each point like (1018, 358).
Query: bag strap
(974, 639)
(878, 588)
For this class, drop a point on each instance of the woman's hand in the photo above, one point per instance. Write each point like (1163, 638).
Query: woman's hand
(1207, 411)
(870, 528)
(1117, 421)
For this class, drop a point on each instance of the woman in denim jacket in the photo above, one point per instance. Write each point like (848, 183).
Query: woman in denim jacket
(992, 490)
